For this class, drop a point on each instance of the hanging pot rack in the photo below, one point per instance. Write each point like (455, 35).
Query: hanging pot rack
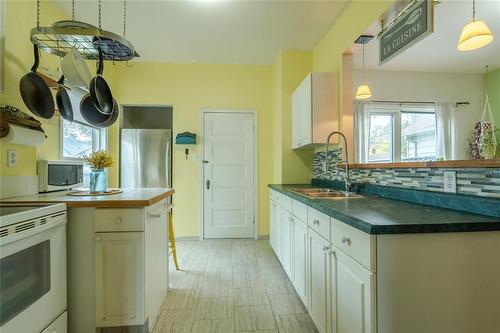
(62, 36)
(60, 40)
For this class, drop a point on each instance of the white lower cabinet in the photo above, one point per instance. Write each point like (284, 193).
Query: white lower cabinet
(156, 259)
(351, 300)
(336, 289)
(273, 225)
(287, 250)
(354, 282)
(131, 265)
(119, 271)
(317, 249)
(300, 260)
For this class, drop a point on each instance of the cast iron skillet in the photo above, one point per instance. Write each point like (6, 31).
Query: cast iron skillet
(93, 116)
(99, 90)
(63, 101)
(35, 92)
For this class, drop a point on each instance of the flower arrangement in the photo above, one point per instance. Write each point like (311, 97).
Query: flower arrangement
(99, 160)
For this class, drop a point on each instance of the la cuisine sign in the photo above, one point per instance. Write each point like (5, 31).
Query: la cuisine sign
(415, 24)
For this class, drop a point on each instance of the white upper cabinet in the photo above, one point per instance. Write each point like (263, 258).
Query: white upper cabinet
(314, 110)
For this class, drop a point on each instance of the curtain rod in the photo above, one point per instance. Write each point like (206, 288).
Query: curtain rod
(407, 102)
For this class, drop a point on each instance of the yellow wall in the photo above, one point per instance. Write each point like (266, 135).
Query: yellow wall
(353, 22)
(20, 18)
(189, 88)
(291, 166)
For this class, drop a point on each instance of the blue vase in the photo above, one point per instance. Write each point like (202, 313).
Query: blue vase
(98, 181)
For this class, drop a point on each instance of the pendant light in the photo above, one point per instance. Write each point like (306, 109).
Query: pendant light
(475, 34)
(363, 91)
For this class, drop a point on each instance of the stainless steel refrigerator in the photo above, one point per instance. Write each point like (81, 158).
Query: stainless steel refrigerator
(145, 158)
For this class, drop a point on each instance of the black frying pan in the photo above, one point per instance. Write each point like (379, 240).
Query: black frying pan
(93, 116)
(99, 90)
(35, 92)
(63, 102)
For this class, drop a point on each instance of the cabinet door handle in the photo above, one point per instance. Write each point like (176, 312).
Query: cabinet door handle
(154, 216)
(326, 248)
(316, 222)
(98, 239)
(118, 220)
(331, 252)
(207, 183)
(346, 240)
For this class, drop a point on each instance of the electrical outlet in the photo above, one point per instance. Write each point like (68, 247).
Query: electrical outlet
(450, 181)
(11, 157)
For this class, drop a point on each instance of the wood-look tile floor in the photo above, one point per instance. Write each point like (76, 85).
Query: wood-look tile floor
(231, 286)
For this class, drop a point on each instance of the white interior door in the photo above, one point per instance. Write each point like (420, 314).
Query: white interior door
(228, 174)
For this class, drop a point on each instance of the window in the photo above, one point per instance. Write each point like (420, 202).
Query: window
(399, 133)
(78, 140)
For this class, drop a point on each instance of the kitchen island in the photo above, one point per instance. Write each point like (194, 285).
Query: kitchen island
(117, 253)
(372, 264)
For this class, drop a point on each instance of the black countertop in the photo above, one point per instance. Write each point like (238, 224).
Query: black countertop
(375, 215)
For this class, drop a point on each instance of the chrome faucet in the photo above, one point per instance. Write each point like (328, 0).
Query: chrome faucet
(347, 179)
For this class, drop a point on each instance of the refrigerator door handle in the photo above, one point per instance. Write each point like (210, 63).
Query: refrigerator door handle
(208, 184)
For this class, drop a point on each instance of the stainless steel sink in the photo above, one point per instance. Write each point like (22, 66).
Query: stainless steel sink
(324, 193)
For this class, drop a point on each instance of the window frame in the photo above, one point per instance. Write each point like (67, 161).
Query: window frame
(395, 110)
(99, 140)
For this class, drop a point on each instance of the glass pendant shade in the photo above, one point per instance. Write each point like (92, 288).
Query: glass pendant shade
(363, 92)
(474, 36)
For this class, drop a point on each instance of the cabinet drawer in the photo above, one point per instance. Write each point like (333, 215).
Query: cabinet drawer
(119, 219)
(356, 243)
(299, 210)
(319, 222)
(273, 195)
(286, 202)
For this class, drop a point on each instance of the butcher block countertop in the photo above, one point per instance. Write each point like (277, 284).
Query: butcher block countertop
(138, 197)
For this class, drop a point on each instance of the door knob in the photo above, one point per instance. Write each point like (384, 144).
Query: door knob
(208, 184)
(205, 162)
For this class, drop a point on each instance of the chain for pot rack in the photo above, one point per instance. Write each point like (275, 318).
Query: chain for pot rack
(63, 36)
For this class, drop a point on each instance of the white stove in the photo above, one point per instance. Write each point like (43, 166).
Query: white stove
(32, 268)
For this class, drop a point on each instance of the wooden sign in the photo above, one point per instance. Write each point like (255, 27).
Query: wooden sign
(411, 27)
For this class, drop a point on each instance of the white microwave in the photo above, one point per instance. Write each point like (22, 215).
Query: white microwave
(59, 175)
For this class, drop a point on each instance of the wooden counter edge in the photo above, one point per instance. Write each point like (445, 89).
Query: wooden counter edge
(105, 203)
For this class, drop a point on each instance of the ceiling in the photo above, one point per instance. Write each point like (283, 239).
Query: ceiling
(438, 51)
(213, 31)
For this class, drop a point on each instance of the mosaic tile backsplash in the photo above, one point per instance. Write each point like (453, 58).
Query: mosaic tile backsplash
(470, 181)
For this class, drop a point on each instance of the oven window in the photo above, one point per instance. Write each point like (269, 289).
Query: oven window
(25, 278)
(60, 174)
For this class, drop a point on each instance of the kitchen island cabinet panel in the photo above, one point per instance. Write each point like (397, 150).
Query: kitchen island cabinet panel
(119, 278)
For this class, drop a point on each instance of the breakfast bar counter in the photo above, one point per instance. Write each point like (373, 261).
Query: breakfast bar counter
(131, 197)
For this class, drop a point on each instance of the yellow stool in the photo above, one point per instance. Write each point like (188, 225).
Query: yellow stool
(172, 238)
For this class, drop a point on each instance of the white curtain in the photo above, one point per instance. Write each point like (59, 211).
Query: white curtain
(446, 131)
(361, 130)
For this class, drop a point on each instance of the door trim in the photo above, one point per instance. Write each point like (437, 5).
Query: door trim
(252, 112)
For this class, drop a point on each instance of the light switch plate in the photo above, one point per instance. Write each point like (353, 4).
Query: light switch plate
(450, 181)
(11, 157)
